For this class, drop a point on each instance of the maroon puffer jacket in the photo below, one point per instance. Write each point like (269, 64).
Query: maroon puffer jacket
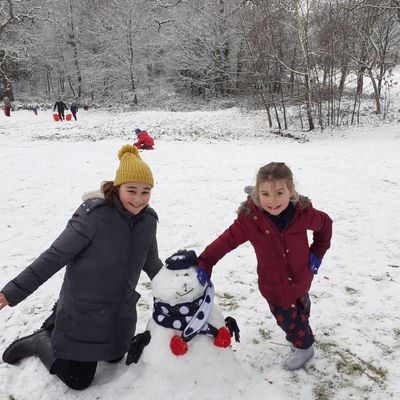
(282, 257)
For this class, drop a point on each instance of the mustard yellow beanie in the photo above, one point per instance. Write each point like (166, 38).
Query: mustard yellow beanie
(132, 168)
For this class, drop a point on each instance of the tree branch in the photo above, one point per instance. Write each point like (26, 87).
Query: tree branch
(159, 23)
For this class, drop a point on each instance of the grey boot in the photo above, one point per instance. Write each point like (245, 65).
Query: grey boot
(298, 358)
(38, 344)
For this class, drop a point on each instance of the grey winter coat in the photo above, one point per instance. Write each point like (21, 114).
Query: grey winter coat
(105, 248)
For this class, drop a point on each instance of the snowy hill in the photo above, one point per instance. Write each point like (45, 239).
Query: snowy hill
(201, 163)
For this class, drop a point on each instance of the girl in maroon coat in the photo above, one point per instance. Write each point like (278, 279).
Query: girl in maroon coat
(275, 219)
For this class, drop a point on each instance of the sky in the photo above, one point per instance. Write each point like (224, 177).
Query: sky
(201, 164)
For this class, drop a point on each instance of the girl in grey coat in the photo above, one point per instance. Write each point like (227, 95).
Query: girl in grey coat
(105, 246)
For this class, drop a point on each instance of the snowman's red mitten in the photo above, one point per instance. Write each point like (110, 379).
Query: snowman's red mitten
(178, 346)
(223, 339)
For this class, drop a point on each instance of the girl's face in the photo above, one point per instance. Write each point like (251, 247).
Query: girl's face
(274, 196)
(134, 196)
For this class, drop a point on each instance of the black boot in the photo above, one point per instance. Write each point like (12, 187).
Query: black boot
(38, 344)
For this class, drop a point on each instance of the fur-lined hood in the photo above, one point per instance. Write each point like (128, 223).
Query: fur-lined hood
(93, 194)
(245, 207)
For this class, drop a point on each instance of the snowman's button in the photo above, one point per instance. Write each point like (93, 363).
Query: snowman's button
(184, 310)
(208, 299)
(164, 310)
(200, 316)
(177, 324)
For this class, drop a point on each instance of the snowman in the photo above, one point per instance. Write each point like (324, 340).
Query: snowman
(187, 340)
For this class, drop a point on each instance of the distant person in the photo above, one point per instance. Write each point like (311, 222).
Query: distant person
(275, 219)
(86, 107)
(7, 107)
(35, 109)
(74, 109)
(144, 140)
(61, 107)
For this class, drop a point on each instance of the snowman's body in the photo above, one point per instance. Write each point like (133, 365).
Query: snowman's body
(204, 365)
(178, 289)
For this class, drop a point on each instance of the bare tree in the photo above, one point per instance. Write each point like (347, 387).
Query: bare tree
(278, 54)
(14, 16)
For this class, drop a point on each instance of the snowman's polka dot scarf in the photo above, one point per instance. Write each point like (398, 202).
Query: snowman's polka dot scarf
(190, 318)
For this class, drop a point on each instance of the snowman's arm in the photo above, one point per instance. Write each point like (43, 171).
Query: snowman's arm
(136, 347)
(233, 328)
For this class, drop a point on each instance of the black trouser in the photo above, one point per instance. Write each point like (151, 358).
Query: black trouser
(77, 375)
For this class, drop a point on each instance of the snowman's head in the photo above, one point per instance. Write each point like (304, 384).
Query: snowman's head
(178, 281)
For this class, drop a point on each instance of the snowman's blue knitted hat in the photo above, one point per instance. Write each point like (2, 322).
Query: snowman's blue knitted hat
(182, 259)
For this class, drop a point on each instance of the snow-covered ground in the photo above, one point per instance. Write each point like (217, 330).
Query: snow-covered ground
(201, 163)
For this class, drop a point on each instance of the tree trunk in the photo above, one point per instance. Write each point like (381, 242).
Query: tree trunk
(131, 53)
(376, 91)
(308, 103)
(359, 90)
(302, 37)
(4, 76)
(73, 43)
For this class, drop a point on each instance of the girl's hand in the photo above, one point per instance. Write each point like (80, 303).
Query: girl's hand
(202, 276)
(314, 263)
(3, 301)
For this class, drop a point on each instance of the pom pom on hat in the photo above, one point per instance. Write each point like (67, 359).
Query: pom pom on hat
(132, 168)
(128, 148)
(182, 259)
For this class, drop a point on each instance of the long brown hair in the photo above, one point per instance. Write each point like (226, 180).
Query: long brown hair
(109, 190)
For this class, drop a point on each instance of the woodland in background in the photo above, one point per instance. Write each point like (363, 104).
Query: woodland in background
(311, 56)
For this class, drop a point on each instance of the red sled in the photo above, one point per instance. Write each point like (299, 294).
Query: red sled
(56, 117)
(68, 117)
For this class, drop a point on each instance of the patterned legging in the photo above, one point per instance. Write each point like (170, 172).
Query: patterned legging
(294, 321)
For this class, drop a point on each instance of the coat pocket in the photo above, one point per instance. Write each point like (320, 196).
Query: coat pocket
(92, 322)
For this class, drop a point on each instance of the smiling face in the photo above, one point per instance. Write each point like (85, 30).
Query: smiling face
(177, 286)
(134, 196)
(274, 196)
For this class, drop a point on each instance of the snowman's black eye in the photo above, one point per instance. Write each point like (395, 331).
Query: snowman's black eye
(186, 274)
